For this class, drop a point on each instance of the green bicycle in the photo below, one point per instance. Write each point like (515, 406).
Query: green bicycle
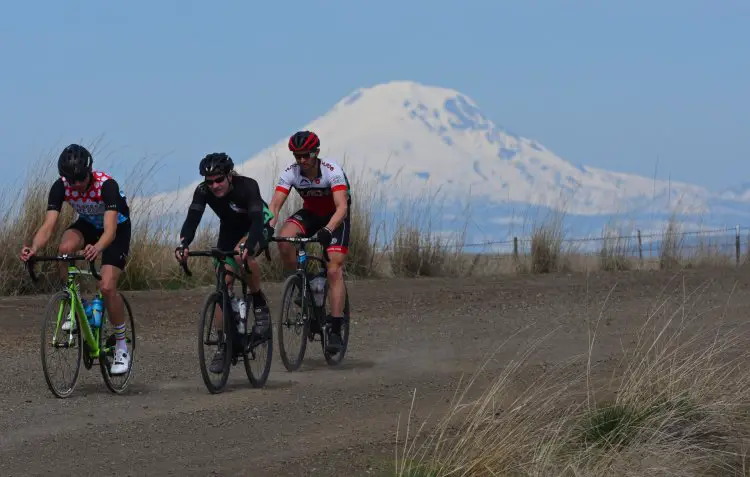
(90, 343)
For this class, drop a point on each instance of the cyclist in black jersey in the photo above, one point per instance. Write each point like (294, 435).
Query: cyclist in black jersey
(102, 227)
(243, 215)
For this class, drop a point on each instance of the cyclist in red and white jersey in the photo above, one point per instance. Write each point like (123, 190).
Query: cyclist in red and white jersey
(326, 197)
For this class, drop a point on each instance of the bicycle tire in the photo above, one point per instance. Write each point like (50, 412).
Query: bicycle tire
(292, 282)
(104, 363)
(222, 300)
(331, 359)
(50, 314)
(260, 381)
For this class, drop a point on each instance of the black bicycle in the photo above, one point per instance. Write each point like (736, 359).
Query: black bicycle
(231, 341)
(310, 318)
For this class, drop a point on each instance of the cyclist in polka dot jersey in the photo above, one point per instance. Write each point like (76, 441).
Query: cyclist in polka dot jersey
(102, 227)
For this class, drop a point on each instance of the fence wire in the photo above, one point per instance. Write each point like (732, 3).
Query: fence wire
(718, 241)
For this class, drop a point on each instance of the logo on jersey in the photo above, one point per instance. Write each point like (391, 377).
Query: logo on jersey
(305, 193)
(236, 208)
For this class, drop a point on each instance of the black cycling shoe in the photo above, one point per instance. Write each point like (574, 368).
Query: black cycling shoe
(262, 328)
(217, 363)
(335, 343)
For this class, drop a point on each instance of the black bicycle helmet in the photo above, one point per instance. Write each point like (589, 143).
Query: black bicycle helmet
(74, 162)
(216, 163)
(304, 141)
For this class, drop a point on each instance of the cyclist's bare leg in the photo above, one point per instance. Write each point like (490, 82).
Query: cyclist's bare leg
(112, 300)
(337, 296)
(260, 307)
(116, 312)
(288, 250)
(336, 289)
(253, 281)
(70, 243)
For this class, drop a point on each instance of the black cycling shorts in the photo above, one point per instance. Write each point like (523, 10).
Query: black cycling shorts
(116, 254)
(230, 235)
(310, 223)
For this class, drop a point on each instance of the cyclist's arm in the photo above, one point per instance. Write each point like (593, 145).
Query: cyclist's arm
(277, 202)
(342, 208)
(255, 206)
(280, 195)
(111, 199)
(340, 191)
(54, 205)
(194, 215)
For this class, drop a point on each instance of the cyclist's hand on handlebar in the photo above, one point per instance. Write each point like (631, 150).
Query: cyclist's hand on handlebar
(26, 253)
(91, 252)
(325, 236)
(181, 253)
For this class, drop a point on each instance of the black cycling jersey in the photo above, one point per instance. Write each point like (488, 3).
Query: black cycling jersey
(242, 208)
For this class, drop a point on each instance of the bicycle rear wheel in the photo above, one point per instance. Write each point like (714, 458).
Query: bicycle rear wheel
(294, 322)
(336, 359)
(223, 343)
(57, 311)
(116, 383)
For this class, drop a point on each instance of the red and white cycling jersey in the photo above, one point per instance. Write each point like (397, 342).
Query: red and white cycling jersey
(102, 194)
(317, 194)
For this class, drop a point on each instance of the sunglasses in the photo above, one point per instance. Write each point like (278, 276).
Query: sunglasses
(74, 179)
(215, 181)
(307, 155)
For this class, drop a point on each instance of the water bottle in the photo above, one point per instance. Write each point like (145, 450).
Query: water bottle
(242, 308)
(317, 286)
(97, 308)
(88, 311)
(301, 256)
(237, 307)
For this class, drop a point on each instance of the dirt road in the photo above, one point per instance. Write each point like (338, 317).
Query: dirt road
(407, 334)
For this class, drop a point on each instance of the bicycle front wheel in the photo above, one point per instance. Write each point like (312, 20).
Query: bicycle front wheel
(116, 383)
(209, 336)
(294, 322)
(56, 342)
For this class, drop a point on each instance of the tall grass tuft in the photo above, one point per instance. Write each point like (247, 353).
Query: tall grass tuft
(676, 403)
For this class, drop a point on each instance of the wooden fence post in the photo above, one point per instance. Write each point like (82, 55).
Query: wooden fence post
(737, 244)
(515, 248)
(640, 248)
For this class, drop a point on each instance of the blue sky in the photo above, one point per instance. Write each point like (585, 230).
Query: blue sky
(607, 84)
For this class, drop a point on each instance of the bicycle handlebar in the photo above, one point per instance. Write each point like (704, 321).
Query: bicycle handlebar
(58, 258)
(300, 239)
(216, 253)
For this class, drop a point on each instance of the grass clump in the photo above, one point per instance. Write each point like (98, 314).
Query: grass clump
(675, 403)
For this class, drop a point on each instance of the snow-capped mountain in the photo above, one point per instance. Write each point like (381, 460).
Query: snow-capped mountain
(408, 137)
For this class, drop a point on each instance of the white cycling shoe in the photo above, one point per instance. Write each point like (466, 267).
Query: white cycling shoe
(121, 363)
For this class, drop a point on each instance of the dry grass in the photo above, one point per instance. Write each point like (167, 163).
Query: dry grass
(151, 263)
(617, 250)
(409, 243)
(676, 404)
(547, 241)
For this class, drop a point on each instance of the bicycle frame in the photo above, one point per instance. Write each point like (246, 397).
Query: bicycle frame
(303, 257)
(221, 258)
(77, 313)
